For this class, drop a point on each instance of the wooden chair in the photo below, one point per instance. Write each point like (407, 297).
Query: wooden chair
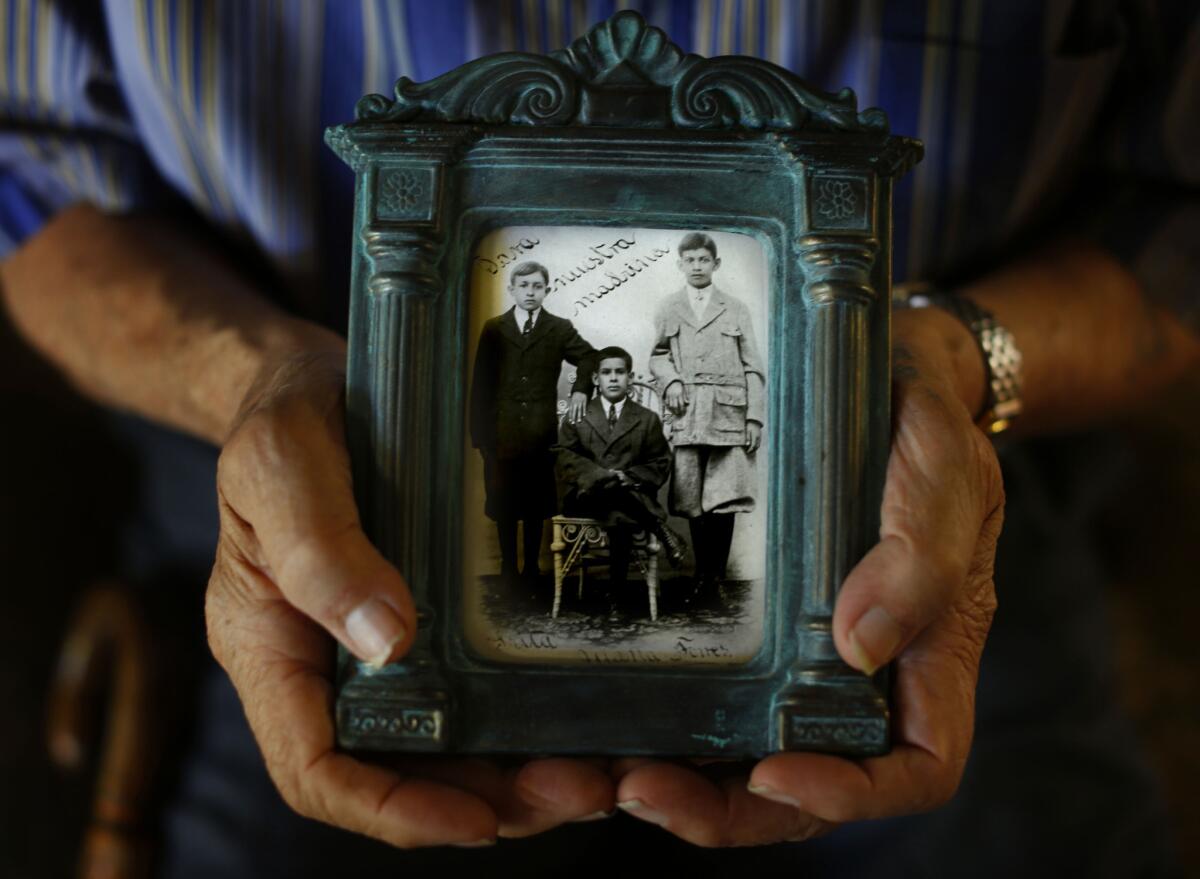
(576, 540)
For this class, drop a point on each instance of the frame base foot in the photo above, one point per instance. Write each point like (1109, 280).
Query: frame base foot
(844, 716)
(408, 720)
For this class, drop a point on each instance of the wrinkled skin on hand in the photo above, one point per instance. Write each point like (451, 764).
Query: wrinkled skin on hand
(293, 565)
(292, 568)
(923, 595)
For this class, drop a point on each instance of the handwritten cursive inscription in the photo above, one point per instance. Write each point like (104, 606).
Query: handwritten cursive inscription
(598, 255)
(617, 274)
(629, 655)
(492, 265)
(687, 647)
(526, 641)
(685, 651)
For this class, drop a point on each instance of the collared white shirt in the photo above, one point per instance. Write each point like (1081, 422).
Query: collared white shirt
(520, 315)
(608, 407)
(698, 299)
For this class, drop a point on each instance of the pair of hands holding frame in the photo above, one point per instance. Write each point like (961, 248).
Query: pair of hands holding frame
(293, 567)
(102, 296)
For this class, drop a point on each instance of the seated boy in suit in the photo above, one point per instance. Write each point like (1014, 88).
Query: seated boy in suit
(513, 411)
(612, 463)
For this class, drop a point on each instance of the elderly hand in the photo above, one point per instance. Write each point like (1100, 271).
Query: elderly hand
(293, 567)
(922, 596)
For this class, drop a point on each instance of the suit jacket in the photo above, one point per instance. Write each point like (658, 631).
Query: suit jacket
(717, 360)
(513, 409)
(587, 452)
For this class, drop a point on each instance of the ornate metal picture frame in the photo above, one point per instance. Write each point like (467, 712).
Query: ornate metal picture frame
(623, 137)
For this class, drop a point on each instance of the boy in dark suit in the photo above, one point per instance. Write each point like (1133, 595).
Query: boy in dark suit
(513, 411)
(612, 463)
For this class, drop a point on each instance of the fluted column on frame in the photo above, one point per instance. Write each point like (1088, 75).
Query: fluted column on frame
(389, 413)
(837, 268)
(838, 287)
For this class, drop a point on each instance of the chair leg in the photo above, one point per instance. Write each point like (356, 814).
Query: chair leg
(558, 580)
(557, 546)
(652, 585)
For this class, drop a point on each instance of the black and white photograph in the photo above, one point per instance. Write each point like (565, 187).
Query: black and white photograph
(615, 475)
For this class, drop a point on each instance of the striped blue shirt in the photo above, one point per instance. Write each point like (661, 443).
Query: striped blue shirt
(1023, 105)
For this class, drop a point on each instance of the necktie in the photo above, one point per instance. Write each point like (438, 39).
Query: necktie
(612, 418)
(528, 325)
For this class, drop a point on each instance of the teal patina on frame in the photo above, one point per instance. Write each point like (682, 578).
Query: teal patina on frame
(615, 131)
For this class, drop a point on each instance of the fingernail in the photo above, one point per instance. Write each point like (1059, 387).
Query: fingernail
(479, 843)
(595, 816)
(769, 793)
(874, 639)
(639, 809)
(374, 629)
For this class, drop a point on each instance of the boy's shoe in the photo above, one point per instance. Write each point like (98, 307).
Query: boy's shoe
(702, 586)
(674, 545)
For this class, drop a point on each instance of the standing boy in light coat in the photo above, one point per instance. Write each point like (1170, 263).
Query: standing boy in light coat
(710, 375)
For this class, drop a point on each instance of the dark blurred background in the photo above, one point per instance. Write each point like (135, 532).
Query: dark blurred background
(67, 484)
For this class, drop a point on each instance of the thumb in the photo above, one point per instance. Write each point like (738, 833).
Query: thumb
(334, 575)
(286, 476)
(888, 598)
(943, 485)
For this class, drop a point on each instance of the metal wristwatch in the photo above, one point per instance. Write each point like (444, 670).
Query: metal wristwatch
(1001, 357)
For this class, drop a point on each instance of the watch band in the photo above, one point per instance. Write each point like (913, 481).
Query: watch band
(1001, 356)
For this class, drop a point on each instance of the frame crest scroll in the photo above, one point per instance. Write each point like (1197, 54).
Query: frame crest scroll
(501, 140)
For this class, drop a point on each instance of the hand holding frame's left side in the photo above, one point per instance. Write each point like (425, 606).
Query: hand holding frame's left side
(139, 317)
(292, 555)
